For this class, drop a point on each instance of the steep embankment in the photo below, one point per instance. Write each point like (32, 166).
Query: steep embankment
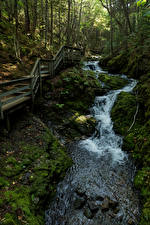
(131, 118)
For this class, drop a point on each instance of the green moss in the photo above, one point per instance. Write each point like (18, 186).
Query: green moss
(123, 112)
(9, 220)
(112, 82)
(3, 182)
(36, 169)
(118, 63)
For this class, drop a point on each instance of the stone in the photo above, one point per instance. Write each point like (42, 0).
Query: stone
(113, 204)
(131, 222)
(105, 204)
(93, 206)
(88, 213)
(79, 203)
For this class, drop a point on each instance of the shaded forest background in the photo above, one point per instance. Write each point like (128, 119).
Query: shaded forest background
(38, 28)
(118, 31)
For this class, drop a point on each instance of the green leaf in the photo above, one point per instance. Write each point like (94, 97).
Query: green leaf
(20, 3)
(147, 14)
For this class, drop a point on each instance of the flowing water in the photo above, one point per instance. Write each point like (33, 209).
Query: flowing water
(98, 189)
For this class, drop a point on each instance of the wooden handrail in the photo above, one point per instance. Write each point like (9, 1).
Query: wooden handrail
(7, 83)
(34, 80)
(35, 67)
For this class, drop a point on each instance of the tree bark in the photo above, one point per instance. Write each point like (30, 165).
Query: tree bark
(51, 28)
(16, 17)
(34, 16)
(126, 14)
(68, 22)
(46, 21)
(27, 17)
(1, 9)
(42, 20)
(111, 35)
(59, 19)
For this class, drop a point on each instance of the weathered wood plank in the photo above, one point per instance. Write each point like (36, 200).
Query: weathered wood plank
(15, 103)
(7, 83)
(14, 91)
(10, 100)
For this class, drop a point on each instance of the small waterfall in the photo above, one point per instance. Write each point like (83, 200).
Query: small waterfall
(105, 141)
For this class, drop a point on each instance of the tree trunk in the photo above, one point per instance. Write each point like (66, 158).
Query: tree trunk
(27, 18)
(126, 14)
(42, 20)
(46, 21)
(34, 16)
(51, 28)
(1, 10)
(68, 22)
(59, 19)
(16, 17)
(111, 35)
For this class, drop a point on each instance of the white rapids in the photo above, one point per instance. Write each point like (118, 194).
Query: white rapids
(104, 140)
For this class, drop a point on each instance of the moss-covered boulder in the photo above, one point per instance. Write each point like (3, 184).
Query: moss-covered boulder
(123, 112)
(67, 103)
(112, 82)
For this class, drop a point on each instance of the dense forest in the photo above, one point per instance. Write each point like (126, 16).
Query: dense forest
(32, 159)
(99, 26)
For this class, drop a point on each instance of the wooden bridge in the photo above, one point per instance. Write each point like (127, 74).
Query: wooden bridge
(15, 93)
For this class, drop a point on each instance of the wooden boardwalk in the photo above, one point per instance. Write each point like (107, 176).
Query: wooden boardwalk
(15, 93)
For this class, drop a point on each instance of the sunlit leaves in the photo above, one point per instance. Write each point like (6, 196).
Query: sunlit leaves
(141, 2)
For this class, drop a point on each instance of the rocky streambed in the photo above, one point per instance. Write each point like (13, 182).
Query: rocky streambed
(98, 188)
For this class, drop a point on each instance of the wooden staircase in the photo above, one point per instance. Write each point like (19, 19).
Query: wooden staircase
(15, 93)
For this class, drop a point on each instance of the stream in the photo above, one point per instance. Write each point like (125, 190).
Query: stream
(98, 188)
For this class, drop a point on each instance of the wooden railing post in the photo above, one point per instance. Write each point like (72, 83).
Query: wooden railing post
(1, 112)
(40, 78)
(32, 92)
(63, 54)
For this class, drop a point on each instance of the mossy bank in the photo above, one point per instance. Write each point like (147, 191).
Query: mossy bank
(131, 119)
(32, 162)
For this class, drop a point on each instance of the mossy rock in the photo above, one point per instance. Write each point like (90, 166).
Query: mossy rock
(118, 63)
(123, 112)
(113, 82)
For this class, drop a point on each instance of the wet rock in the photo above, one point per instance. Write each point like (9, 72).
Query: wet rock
(99, 198)
(80, 192)
(88, 213)
(79, 203)
(111, 214)
(105, 204)
(113, 204)
(93, 206)
(131, 222)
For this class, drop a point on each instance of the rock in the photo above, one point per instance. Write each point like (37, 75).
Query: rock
(80, 192)
(113, 204)
(88, 213)
(79, 203)
(93, 206)
(131, 222)
(105, 204)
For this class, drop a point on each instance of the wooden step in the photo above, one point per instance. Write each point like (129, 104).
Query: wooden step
(15, 103)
